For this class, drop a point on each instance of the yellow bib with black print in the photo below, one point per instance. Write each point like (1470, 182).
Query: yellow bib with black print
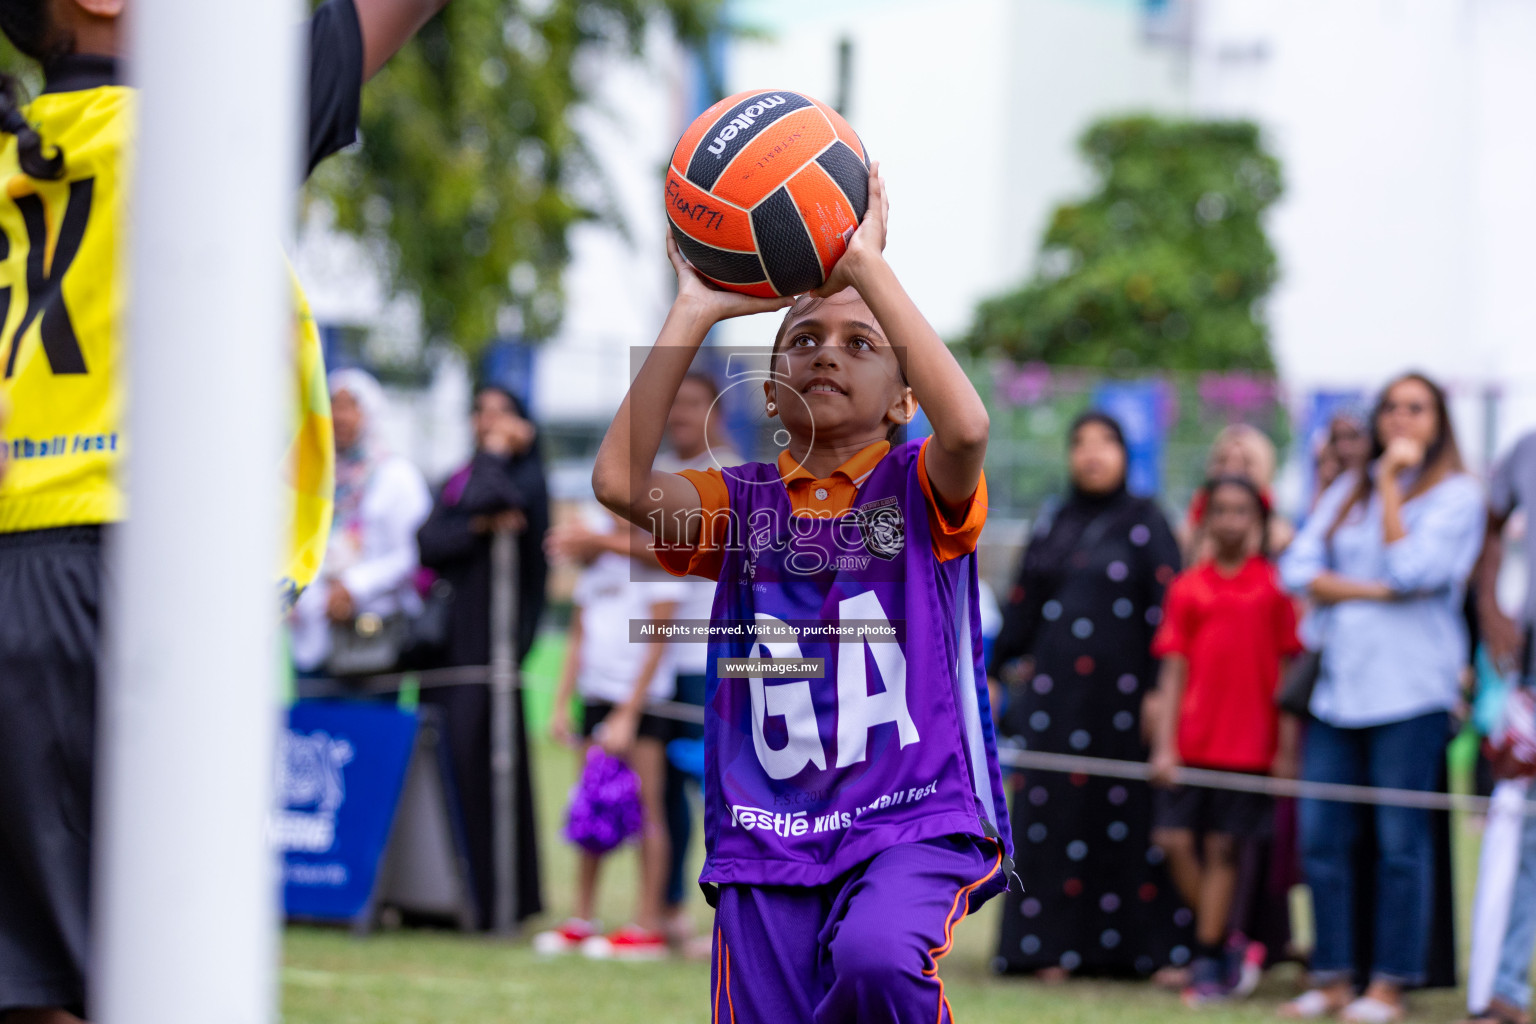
(62, 350)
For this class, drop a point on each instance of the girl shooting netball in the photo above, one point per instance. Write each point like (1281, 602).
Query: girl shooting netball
(854, 809)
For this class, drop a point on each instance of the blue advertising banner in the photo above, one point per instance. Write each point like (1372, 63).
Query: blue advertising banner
(1141, 408)
(340, 770)
(511, 363)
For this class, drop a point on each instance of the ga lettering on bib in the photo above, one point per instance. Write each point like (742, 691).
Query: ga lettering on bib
(878, 730)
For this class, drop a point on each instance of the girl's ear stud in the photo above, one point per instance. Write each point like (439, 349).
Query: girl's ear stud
(771, 407)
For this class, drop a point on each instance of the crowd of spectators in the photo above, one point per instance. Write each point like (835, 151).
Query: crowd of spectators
(1334, 650)
(394, 546)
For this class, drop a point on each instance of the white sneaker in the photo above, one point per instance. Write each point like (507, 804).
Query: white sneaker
(628, 943)
(567, 938)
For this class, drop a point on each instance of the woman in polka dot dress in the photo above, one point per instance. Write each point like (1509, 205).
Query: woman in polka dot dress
(1075, 657)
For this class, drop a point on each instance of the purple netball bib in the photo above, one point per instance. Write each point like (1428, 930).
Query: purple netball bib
(847, 704)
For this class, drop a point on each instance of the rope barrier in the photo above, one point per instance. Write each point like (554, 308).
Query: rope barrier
(388, 684)
(1017, 757)
(1206, 778)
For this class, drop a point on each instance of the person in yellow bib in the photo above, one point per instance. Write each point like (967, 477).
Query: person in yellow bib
(63, 165)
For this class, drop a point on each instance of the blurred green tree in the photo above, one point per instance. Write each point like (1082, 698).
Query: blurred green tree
(472, 173)
(1164, 267)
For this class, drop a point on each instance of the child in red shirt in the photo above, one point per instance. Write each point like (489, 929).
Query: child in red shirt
(1227, 629)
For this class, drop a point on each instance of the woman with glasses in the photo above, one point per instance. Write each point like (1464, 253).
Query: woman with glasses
(1385, 557)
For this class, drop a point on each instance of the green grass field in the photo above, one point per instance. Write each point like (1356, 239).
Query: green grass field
(415, 977)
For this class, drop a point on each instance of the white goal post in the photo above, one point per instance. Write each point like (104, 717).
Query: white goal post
(186, 890)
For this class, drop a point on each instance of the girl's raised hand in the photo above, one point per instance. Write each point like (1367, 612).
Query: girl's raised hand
(716, 303)
(867, 243)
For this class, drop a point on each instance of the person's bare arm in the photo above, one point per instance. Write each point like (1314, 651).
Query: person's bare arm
(1285, 764)
(1170, 689)
(662, 613)
(1403, 453)
(1500, 632)
(388, 25)
(560, 713)
(576, 542)
(624, 478)
(622, 726)
(959, 419)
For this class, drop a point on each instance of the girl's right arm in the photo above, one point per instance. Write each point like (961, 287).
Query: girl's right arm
(1285, 764)
(622, 726)
(625, 478)
(560, 714)
(1165, 748)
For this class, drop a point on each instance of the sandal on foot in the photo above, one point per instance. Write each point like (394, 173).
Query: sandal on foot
(1499, 1011)
(1313, 1004)
(1369, 1010)
(1173, 979)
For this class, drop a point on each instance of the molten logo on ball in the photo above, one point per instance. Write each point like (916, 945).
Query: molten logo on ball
(742, 121)
(764, 190)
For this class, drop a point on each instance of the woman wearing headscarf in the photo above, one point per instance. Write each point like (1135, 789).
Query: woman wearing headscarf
(1075, 656)
(381, 500)
(502, 488)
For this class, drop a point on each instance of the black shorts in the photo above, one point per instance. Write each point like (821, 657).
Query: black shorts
(594, 711)
(50, 592)
(1223, 811)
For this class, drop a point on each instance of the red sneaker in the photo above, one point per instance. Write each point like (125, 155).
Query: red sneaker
(566, 938)
(628, 943)
(1249, 957)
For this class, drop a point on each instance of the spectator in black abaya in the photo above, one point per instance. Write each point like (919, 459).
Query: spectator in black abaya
(503, 487)
(1075, 656)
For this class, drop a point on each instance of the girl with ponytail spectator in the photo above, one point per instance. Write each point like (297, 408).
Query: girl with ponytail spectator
(1226, 632)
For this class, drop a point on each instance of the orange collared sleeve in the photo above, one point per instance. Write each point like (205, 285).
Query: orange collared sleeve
(952, 539)
(708, 556)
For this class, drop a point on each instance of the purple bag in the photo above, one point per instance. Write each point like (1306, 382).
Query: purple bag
(605, 804)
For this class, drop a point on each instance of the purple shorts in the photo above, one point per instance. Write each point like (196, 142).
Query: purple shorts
(863, 949)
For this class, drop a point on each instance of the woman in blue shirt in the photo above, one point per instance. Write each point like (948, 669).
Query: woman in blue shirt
(1384, 558)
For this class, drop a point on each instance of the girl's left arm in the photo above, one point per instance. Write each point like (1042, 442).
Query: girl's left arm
(623, 724)
(960, 423)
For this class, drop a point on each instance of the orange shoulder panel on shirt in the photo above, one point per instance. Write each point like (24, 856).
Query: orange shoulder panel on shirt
(708, 556)
(952, 540)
